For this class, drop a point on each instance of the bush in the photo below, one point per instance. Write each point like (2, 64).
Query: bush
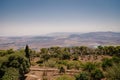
(2, 53)
(40, 61)
(89, 66)
(97, 74)
(45, 56)
(62, 70)
(15, 60)
(66, 56)
(106, 63)
(75, 57)
(116, 59)
(73, 65)
(113, 73)
(11, 74)
(63, 62)
(65, 77)
(82, 76)
(50, 63)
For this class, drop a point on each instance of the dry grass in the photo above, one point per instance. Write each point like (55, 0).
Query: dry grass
(51, 75)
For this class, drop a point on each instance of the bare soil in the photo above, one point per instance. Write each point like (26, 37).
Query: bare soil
(39, 73)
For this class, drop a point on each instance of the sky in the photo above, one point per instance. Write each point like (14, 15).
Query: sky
(36, 17)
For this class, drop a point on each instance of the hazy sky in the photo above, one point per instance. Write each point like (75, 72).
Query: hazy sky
(34, 17)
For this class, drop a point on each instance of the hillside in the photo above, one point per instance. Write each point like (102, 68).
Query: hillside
(91, 39)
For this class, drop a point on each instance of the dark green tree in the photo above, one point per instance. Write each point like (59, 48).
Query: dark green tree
(11, 74)
(82, 76)
(66, 55)
(27, 52)
(45, 57)
(113, 72)
(89, 66)
(97, 74)
(13, 66)
(62, 70)
(106, 63)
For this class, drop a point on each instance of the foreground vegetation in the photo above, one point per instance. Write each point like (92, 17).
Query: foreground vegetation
(13, 64)
(93, 63)
(98, 63)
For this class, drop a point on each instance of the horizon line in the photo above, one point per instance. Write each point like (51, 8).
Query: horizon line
(46, 34)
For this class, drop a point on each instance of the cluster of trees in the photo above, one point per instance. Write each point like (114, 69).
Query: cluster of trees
(74, 52)
(94, 73)
(14, 64)
(72, 58)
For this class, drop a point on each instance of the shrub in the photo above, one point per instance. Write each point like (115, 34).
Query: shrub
(97, 74)
(62, 70)
(113, 73)
(63, 62)
(11, 74)
(106, 63)
(45, 56)
(116, 59)
(50, 63)
(16, 61)
(75, 57)
(89, 66)
(82, 76)
(64, 77)
(66, 56)
(40, 61)
(73, 65)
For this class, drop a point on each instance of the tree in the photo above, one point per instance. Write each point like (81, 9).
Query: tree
(11, 74)
(89, 66)
(27, 52)
(82, 76)
(13, 64)
(75, 57)
(62, 70)
(106, 63)
(113, 73)
(100, 48)
(45, 56)
(74, 65)
(66, 55)
(116, 59)
(18, 61)
(10, 51)
(97, 74)
(118, 51)
(44, 51)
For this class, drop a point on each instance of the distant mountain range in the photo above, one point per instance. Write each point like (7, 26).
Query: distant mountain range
(91, 39)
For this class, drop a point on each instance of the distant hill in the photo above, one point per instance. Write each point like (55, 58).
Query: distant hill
(91, 39)
(98, 36)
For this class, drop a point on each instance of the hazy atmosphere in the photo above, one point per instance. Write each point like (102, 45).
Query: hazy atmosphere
(35, 17)
(59, 39)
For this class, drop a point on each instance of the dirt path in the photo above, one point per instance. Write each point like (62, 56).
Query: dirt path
(32, 77)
